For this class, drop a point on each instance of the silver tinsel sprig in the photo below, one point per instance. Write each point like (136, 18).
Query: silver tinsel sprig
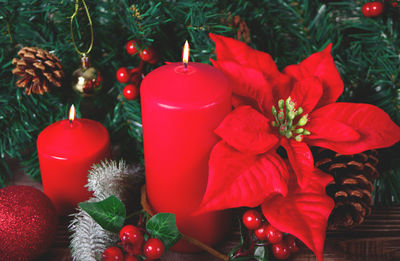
(88, 239)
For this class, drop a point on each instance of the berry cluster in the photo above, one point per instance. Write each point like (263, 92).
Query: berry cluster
(134, 244)
(281, 245)
(133, 76)
(372, 9)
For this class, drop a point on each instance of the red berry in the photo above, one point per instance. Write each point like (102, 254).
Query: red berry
(123, 75)
(131, 239)
(260, 232)
(372, 9)
(131, 234)
(132, 47)
(280, 251)
(149, 55)
(130, 258)
(291, 243)
(252, 219)
(153, 248)
(130, 92)
(273, 235)
(376, 9)
(112, 253)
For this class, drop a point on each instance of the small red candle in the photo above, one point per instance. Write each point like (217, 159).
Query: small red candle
(182, 105)
(67, 149)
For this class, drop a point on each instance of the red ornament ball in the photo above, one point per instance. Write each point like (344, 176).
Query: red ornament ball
(273, 235)
(280, 251)
(149, 55)
(153, 248)
(112, 254)
(132, 47)
(123, 75)
(372, 9)
(252, 219)
(28, 223)
(130, 92)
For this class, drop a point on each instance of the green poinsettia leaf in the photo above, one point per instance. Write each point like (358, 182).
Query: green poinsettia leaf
(109, 213)
(163, 226)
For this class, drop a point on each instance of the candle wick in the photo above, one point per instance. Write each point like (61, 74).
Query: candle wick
(185, 64)
(70, 122)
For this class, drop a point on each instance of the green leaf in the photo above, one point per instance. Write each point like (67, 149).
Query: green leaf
(163, 227)
(261, 253)
(109, 213)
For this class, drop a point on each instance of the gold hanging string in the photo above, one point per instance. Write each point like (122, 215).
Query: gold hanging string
(91, 28)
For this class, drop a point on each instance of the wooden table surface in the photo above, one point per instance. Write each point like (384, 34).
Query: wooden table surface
(378, 238)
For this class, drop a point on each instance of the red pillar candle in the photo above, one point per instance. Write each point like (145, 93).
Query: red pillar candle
(67, 149)
(182, 105)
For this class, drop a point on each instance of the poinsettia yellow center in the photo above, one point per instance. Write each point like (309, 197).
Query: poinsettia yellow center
(285, 118)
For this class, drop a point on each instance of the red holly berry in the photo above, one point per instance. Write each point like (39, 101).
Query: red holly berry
(130, 92)
(132, 47)
(280, 251)
(273, 235)
(153, 248)
(376, 8)
(123, 75)
(131, 234)
(112, 253)
(130, 258)
(149, 55)
(291, 243)
(261, 232)
(372, 9)
(252, 219)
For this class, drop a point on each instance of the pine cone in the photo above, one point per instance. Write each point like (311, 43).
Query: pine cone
(39, 70)
(352, 186)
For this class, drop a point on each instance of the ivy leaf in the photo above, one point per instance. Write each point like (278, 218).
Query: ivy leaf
(163, 226)
(261, 253)
(109, 213)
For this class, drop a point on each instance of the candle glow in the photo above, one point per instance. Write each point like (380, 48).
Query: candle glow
(186, 53)
(72, 113)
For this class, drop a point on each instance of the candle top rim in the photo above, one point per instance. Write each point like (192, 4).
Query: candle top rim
(201, 86)
(60, 140)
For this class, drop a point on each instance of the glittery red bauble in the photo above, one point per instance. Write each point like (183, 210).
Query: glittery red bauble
(28, 223)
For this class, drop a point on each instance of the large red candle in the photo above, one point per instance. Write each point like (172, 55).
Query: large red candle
(67, 149)
(181, 107)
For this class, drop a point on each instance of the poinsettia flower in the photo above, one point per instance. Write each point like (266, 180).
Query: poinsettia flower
(293, 109)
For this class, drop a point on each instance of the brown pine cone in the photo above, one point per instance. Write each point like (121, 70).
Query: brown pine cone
(352, 186)
(39, 70)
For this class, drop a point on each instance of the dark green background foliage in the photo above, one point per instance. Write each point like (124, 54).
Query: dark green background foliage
(366, 52)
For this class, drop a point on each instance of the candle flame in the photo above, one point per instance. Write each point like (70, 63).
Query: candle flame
(186, 53)
(72, 113)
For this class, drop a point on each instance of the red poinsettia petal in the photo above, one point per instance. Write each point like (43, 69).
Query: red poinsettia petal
(303, 212)
(300, 158)
(231, 49)
(248, 83)
(373, 125)
(238, 179)
(260, 81)
(306, 93)
(247, 130)
(322, 66)
(330, 130)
